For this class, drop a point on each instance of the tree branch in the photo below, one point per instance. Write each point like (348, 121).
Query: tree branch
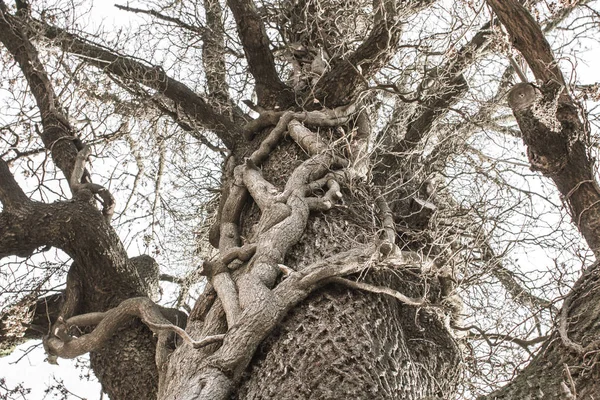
(367, 287)
(574, 342)
(108, 200)
(11, 194)
(348, 76)
(28, 319)
(61, 344)
(152, 77)
(56, 126)
(551, 124)
(528, 38)
(255, 42)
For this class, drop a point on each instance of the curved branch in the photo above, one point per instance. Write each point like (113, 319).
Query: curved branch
(367, 287)
(324, 117)
(61, 344)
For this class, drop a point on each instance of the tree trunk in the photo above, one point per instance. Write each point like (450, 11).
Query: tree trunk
(339, 342)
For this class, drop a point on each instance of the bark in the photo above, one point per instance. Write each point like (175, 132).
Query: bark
(282, 229)
(330, 347)
(104, 273)
(58, 134)
(29, 319)
(551, 125)
(106, 277)
(261, 63)
(153, 77)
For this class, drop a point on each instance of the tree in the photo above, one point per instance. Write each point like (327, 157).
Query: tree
(349, 250)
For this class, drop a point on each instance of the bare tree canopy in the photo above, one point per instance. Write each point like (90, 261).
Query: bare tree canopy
(304, 199)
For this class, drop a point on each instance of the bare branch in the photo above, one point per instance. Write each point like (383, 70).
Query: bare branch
(528, 38)
(61, 344)
(56, 126)
(11, 194)
(108, 200)
(451, 86)
(349, 76)
(324, 117)
(367, 287)
(255, 41)
(551, 124)
(200, 30)
(488, 337)
(153, 77)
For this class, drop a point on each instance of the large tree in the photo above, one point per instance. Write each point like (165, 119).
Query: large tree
(367, 162)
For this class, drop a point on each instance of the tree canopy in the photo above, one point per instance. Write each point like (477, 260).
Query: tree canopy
(304, 198)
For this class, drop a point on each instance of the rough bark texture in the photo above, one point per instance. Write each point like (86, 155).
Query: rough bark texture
(552, 129)
(80, 230)
(360, 345)
(402, 353)
(567, 364)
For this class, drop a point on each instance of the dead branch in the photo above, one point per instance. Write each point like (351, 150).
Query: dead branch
(563, 329)
(388, 245)
(262, 191)
(367, 287)
(306, 139)
(331, 196)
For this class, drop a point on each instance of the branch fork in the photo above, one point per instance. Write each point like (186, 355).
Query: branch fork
(107, 200)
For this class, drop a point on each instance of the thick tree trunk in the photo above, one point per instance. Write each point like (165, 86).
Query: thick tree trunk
(344, 344)
(340, 342)
(294, 219)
